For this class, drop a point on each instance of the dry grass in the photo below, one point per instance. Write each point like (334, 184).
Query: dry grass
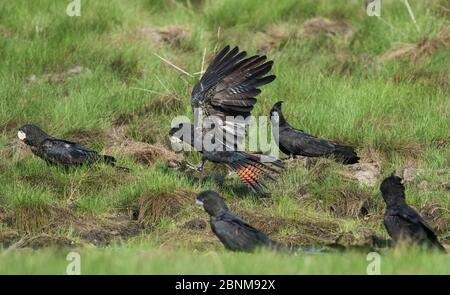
(172, 35)
(153, 207)
(323, 25)
(146, 153)
(416, 51)
(60, 77)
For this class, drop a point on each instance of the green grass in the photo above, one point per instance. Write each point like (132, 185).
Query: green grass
(337, 87)
(139, 260)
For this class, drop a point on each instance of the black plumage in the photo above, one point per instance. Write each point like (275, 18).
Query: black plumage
(228, 89)
(294, 142)
(402, 222)
(253, 169)
(234, 233)
(58, 151)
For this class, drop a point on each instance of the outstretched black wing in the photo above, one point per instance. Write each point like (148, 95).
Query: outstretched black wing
(228, 88)
(62, 152)
(238, 235)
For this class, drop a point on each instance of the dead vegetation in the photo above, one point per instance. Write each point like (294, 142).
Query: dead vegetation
(172, 35)
(153, 207)
(438, 217)
(32, 227)
(322, 25)
(441, 142)
(426, 78)
(5, 32)
(306, 230)
(368, 170)
(60, 77)
(43, 240)
(423, 48)
(146, 153)
(273, 37)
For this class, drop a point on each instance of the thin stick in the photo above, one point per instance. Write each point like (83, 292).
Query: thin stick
(163, 85)
(391, 26)
(411, 15)
(217, 39)
(146, 90)
(171, 64)
(202, 69)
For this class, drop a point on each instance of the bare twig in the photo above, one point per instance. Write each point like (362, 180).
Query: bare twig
(390, 25)
(146, 90)
(202, 69)
(217, 40)
(411, 15)
(174, 66)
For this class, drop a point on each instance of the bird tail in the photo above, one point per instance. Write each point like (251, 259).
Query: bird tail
(345, 154)
(110, 160)
(254, 169)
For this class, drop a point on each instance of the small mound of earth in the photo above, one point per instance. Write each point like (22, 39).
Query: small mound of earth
(195, 224)
(361, 238)
(5, 32)
(146, 153)
(273, 37)
(416, 51)
(320, 25)
(437, 216)
(8, 238)
(368, 170)
(152, 207)
(43, 240)
(61, 77)
(16, 148)
(167, 34)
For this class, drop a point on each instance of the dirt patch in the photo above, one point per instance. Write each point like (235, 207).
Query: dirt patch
(352, 202)
(416, 51)
(426, 78)
(47, 224)
(368, 170)
(177, 238)
(153, 207)
(172, 35)
(8, 237)
(31, 219)
(196, 224)
(322, 25)
(146, 153)
(273, 37)
(42, 241)
(360, 238)
(304, 231)
(5, 32)
(438, 217)
(103, 232)
(445, 185)
(16, 148)
(409, 173)
(61, 77)
(441, 142)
